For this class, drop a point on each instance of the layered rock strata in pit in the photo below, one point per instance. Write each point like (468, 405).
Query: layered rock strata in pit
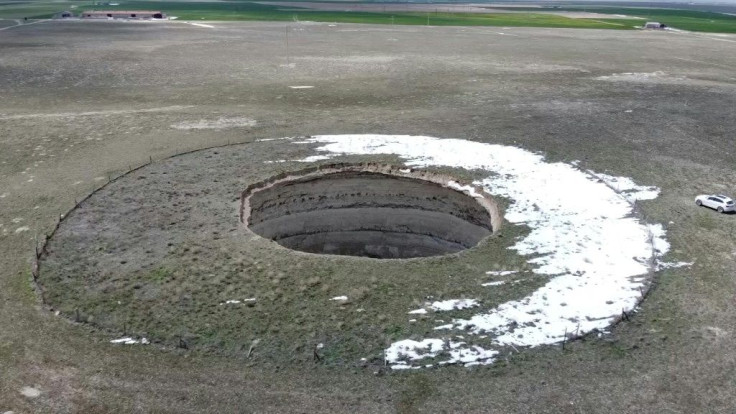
(370, 211)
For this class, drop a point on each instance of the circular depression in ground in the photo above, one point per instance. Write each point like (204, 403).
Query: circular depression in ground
(368, 211)
(163, 253)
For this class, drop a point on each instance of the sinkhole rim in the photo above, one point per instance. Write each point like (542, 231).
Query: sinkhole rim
(466, 234)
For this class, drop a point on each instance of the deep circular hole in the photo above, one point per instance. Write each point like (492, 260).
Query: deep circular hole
(377, 212)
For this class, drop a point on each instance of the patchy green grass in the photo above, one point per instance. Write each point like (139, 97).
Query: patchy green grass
(693, 20)
(24, 287)
(521, 17)
(241, 10)
(160, 275)
(416, 391)
(255, 11)
(38, 9)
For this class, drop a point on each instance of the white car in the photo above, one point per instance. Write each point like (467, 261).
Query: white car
(720, 203)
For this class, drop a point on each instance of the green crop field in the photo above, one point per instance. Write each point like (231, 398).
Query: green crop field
(37, 9)
(255, 11)
(521, 17)
(697, 21)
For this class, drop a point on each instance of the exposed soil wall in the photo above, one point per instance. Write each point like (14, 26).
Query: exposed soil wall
(368, 211)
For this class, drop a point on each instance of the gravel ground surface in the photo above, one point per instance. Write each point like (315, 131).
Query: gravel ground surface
(86, 101)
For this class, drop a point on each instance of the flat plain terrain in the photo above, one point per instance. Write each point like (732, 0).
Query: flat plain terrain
(698, 18)
(86, 101)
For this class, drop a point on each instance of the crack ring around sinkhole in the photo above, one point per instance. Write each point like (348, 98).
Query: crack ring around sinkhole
(131, 248)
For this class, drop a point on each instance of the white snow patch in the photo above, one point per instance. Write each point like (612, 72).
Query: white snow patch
(672, 265)
(237, 301)
(301, 87)
(497, 283)
(22, 229)
(656, 235)
(94, 113)
(403, 365)
(461, 353)
(467, 189)
(314, 158)
(594, 252)
(16, 220)
(402, 353)
(129, 341)
(418, 312)
(272, 139)
(453, 304)
(640, 77)
(30, 392)
(219, 123)
(408, 349)
(202, 25)
(3, 195)
(628, 188)
(501, 272)
(340, 298)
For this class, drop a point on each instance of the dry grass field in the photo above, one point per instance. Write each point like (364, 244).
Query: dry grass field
(83, 102)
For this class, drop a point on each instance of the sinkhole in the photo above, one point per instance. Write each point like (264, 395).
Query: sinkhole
(380, 212)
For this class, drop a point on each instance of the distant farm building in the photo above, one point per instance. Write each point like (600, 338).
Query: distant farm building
(121, 14)
(655, 25)
(63, 15)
